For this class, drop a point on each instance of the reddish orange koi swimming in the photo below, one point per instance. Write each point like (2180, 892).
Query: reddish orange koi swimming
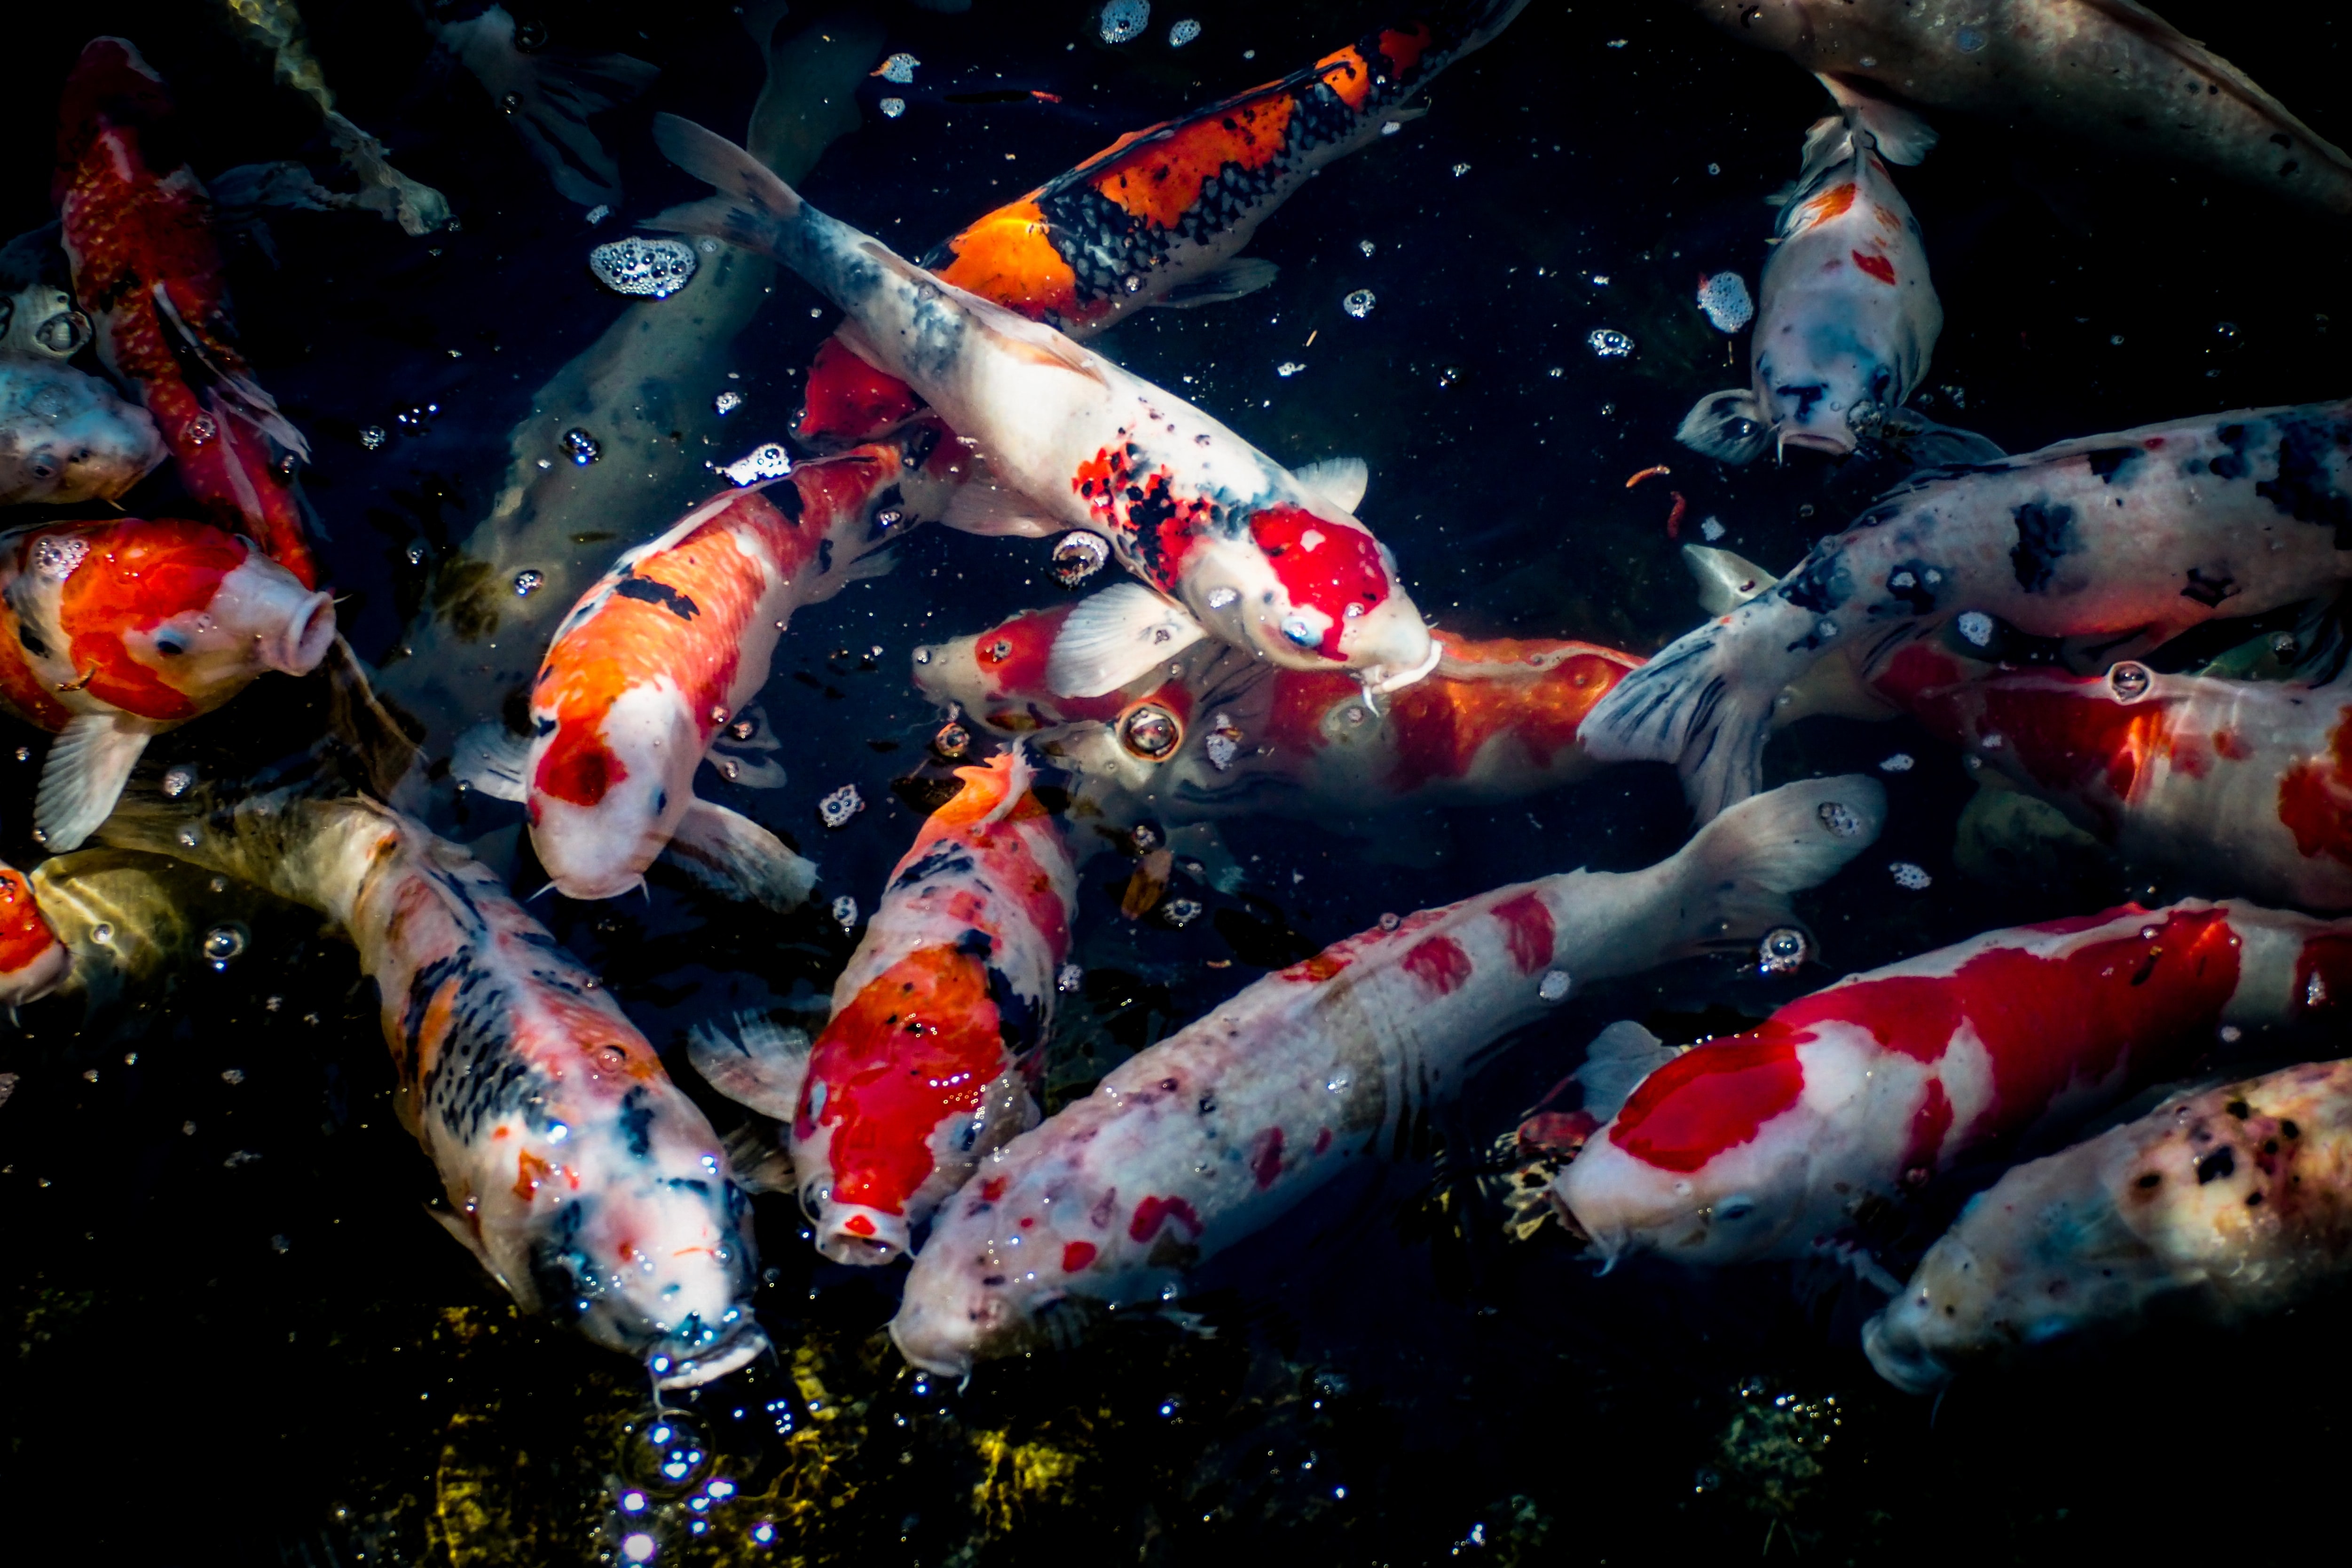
(659, 657)
(587, 1184)
(1766, 1144)
(931, 1053)
(145, 267)
(1498, 720)
(112, 633)
(1225, 1126)
(1159, 216)
(33, 962)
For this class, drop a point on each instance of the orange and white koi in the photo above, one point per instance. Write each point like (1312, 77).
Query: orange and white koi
(2221, 1206)
(928, 1061)
(1220, 1130)
(656, 660)
(1161, 215)
(139, 235)
(586, 1184)
(1848, 319)
(1768, 1144)
(2241, 786)
(112, 633)
(2120, 541)
(1231, 542)
(33, 962)
(1213, 732)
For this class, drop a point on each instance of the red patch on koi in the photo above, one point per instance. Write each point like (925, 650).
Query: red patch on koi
(848, 399)
(1077, 1256)
(1328, 566)
(2315, 798)
(1315, 969)
(1877, 266)
(1528, 931)
(1707, 1100)
(1265, 1162)
(137, 575)
(1439, 963)
(858, 1224)
(1929, 1123)
(2322, 972)
(2230, 745)
(530, 1172)
(1151, 1213)
(577, 767)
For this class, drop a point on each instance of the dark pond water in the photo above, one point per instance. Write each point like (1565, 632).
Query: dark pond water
(231, 1335)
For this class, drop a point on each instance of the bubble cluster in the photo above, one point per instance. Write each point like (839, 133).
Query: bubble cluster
(374, 436)
(837, 808)
(527, 583)
(759, 464)
(1358, 304)
(892, 108)
(1078, 556)
(1724, 297)
(1123, 21)
(55, 557)
(581, 446)
(1183, 33)
(643, 265)
(1783, 951)
(1976, 626)
(899, 68)
(844, 912)
(727, 402)
(1608, 342)
(1908, 875)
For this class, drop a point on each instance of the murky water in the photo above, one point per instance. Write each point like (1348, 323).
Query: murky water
(232, 1335)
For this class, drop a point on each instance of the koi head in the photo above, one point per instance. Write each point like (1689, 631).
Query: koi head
(168, 619)
(959, 1306)
(111, 86)
(607, 788)
(33, 962)
(1327, 598)
(65, 436)
(1910, 1340)
(1704, 1164)
(998, 678)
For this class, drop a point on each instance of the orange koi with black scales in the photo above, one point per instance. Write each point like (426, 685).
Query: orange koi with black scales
(138, 231)
(1159, 216)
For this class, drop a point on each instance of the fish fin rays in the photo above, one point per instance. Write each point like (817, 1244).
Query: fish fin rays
(1116, 636)
(1901, 136)
(1618, 1059)
(1242, 276)
(1705, 703)
(753, 204)
(493, 760)
(754, 1060)
(756, 1154)
(730, 854)
(1342, 481)
(1736, 874)
(231, 390)
(985, 507)
(89, 763)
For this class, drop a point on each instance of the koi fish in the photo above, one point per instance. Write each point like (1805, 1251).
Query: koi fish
(1767, 1144)
(2223, 1206)
(1495, 721)
(38, 318)
(2110, 72)
(1238, 545)
(2240, 785)
(66, 436)
(112, 633)
(1161, 215)
(1849, 317)
(937, 1023)
(585, 1183)
(139, 236)
(2121, 541)
(546, 94)
(1220, 1130)
(657, 659)
(33, 962)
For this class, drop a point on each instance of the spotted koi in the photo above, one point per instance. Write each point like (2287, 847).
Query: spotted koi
(586, 1184)
(1768, 1144)
(1219, 1131)
(928, 1061)
(138, 231)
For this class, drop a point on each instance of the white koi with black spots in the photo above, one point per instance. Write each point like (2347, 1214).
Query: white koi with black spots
(1220, 1130)
(2121, 541)
(588, 1185)
(1254, 554)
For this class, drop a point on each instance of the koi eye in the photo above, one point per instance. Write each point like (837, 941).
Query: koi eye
(169, 646)
(1300, 631)
(661, 801)
(1735, 1209)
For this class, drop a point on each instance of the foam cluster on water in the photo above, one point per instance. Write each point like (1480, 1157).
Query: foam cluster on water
(643, 265)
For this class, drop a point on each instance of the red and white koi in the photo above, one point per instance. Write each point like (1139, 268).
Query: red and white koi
(139, 234)
(1849, 318)
(1218, 1131)
(2242, 787)
(2119, 541)
(927, 1063)
(586, 1184)
(1230, 543)
(112, 633)
(2221, 1206)
(1766, 1143)
(33, 960)
(655, 661)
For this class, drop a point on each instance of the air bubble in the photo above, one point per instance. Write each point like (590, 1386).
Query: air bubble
(844, 912)
(726, 403)
(892, 108)
(1150, 731)
(1180, 912)
(1078, 556)
(1783, 951)
(1070, 978)
(644, 267)
(224, 943)
(1123, 21)
(2130, 681)
(527, 583)
(1724, 297)
(201, 429)
(1359, 304)
(581, 446)
(179, 780)
(835, 809)
(952, 742)
(1554, 986)
(189, 836)
(1908, 875)
(374, 436)
(1288, 368)
(761, 463)
(1608, 342)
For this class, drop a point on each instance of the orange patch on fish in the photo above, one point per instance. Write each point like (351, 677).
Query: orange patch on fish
(1876, 265)
(1160, 179)
(1009, 257)
(137, 575)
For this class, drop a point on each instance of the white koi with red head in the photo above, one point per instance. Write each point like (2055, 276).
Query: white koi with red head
(1218, 1131)
(1764, 1145)
(660, 656)
(585, 1183)
(927, 1064)
(33, 962)
(1252, 554)
(2224, 1206)
(2242, 787)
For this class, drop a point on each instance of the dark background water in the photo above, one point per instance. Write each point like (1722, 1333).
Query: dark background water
(216, 1358)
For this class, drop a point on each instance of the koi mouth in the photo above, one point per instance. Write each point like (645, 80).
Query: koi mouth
(308, 636)
(744, 1347)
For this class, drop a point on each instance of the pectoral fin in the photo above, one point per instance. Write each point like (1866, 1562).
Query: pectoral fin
(1115, 637)
(1339, 480)
(1243, 275)
(752, 1060)
(493, 760)
(731, 854)
(471, 1241)
(1725, 581)
(1619, 1058)
(88, 766)
(985, 507)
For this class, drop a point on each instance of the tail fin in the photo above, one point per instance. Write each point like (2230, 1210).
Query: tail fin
(753, 207)
(1705, 703)
(1737, 873)
(1901, 136)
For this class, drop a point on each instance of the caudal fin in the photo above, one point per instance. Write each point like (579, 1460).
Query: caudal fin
(1737, 873)
(1705, 703)
(753, 207)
